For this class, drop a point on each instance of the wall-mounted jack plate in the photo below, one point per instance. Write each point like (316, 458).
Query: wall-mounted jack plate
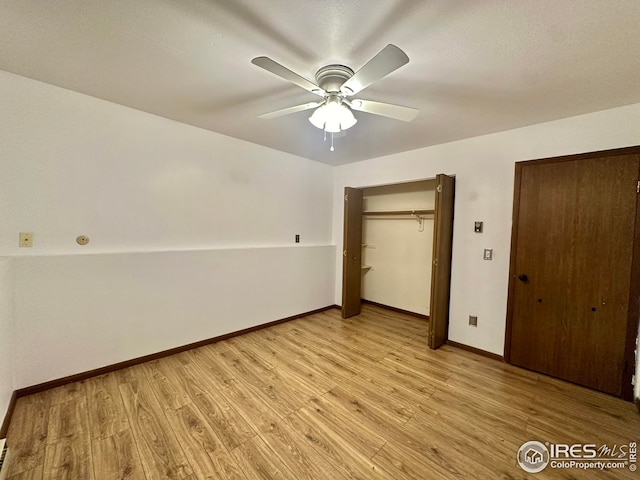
(82, 240)
(473, 320)
(477, 227)
(25, 239)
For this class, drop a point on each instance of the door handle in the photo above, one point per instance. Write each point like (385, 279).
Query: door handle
(523, 278)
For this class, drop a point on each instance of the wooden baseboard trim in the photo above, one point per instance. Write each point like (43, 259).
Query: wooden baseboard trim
(41, 387)
(475, 350)
(395, 309)
(7, 418)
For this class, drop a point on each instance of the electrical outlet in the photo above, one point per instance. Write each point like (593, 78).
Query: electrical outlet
(25, 239)
(473, 320)
(297, 238)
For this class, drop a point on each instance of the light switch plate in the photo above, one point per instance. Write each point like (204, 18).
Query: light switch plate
(25, 239)
(488, 254)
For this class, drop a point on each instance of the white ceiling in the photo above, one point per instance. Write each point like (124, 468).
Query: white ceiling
(477, 66)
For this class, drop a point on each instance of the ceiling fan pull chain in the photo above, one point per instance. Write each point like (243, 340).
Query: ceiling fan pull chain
(331, 149)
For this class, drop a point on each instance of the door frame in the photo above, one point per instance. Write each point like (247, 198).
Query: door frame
(634, 294)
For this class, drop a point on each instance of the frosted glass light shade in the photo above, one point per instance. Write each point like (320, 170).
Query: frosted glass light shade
(318, 117)
(347, 120)
(333, 116)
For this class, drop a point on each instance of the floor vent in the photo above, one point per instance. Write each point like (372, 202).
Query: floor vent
(3, 458)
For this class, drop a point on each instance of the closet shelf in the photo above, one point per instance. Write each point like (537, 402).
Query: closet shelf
(418, 215)
(366, 267)
(399, 212)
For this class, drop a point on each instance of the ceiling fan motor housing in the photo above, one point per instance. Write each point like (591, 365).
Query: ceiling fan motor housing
(331, 77)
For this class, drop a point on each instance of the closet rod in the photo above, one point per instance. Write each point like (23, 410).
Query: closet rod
(400, 212)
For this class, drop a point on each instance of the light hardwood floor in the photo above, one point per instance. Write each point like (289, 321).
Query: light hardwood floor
(316, 398)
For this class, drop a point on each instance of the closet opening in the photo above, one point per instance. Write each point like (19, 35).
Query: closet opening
(397, 250)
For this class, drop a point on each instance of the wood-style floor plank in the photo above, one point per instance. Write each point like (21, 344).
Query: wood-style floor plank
(407, 464)
(107, 415)
(205, 452)
(36, 473)
(289, 446)
(345, 455)
(206, 394)
(204, 359)
(320, 398)
(367, 439)
(28, 435)
(68, 450)
(259, 462)
(163, 375)
(160, 452)
(117, 456)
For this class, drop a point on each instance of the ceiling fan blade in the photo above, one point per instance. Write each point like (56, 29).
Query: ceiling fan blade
(387, 60)
(288, 110)
(398, 112)
(283, 72)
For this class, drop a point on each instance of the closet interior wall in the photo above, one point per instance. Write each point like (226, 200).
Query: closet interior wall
(397, 249)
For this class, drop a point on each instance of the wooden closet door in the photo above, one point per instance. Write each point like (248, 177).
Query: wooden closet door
(352, 253)
(573, 242)
(441, 270)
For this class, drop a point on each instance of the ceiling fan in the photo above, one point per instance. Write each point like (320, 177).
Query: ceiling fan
(335, 84)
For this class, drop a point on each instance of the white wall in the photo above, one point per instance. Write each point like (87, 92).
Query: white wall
(397, 248)
(174, 214)
(484, 170)
(7, 384)
(73, 164)
(81, 312)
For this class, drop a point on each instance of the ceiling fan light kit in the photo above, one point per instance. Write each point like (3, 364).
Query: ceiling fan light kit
(334, 83)
(333, 116)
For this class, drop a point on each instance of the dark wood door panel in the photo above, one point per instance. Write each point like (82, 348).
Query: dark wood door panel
(574, 251)
(352, 253)
(441, 270)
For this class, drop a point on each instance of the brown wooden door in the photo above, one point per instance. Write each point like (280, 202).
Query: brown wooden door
(352, 253)
(441, 270)
(573, 240)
